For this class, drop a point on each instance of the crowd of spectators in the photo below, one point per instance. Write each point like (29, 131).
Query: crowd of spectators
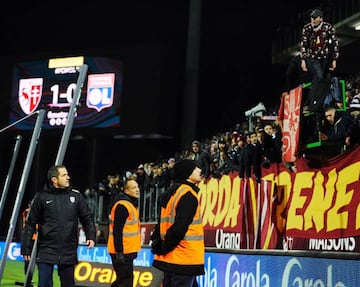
(237, 150)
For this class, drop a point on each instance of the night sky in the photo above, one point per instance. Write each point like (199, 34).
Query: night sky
(234, 72)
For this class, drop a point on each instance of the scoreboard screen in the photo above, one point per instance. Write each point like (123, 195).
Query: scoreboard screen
(50, 84)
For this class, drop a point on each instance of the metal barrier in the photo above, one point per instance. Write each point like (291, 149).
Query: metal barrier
(148, 205)
(149, 211)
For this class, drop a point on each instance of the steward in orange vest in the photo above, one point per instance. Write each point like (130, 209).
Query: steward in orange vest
(178, 240)
(24, 215)
(124, 240)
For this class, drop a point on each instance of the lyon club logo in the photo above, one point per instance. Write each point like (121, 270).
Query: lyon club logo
(30, 91)
(100, 91)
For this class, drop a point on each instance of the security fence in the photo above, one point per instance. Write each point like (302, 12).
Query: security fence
(101, 203)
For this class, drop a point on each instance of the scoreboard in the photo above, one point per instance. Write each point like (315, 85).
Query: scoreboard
(50, 84)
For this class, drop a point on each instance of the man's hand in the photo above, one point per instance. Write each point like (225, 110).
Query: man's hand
(323, 136)
(157, 247)
(90, 243)
(303, 66)
(333, 65)
(348, 141)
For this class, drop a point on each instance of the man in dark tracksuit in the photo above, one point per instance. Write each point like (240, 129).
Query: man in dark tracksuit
(56, 211)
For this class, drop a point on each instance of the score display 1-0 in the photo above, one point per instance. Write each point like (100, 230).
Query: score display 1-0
(54, 91)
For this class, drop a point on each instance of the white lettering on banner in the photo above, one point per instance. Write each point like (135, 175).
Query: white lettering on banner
(288, 243)
(14, 251)
(101, 255)
(142, 261)
(96, 254)
(244, 279)
(210, 278)
(84, 256)
(233, 277)
(294, 264)
(103, 258)
(335, 244)
(227, 240)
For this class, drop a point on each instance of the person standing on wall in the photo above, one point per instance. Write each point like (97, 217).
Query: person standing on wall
(56, 211)
(319, 52)
(124, 240)
(178, 239)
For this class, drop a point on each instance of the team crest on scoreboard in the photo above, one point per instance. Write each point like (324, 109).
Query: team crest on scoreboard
(30, 91)
(100, 91)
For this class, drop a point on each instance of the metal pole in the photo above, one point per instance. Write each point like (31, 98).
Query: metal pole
(10, 173)
(18, 121)
(21, 190)
(72, 111)
(31, 265)
(61, 154)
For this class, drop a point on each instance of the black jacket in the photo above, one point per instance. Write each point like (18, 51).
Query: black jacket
(338, 131)
(57, 213)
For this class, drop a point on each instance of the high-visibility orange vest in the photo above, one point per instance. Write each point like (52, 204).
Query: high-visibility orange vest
(131, 231)
(190, 250)
(23, 215)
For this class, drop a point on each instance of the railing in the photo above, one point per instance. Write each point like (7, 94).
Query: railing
(149, 210)
(148, 205)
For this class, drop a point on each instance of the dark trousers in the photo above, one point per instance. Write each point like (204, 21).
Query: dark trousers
(65, 272)
(124, 273)
(318, 68)
(172, 279)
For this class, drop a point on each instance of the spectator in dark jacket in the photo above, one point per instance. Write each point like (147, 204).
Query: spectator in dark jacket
(272, 144)
(335, 126)
(252, 158)
(56, 210)
(353, 133)
(202, 158)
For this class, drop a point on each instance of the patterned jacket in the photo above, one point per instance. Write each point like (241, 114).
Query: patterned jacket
(319, 42)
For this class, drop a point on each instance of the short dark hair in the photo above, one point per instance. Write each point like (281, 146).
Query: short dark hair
(54, 171)
(316, 13)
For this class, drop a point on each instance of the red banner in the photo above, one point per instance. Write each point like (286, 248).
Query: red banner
(312, 203)
(289, 117)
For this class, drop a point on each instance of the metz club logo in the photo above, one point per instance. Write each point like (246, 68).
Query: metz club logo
(30, 91)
